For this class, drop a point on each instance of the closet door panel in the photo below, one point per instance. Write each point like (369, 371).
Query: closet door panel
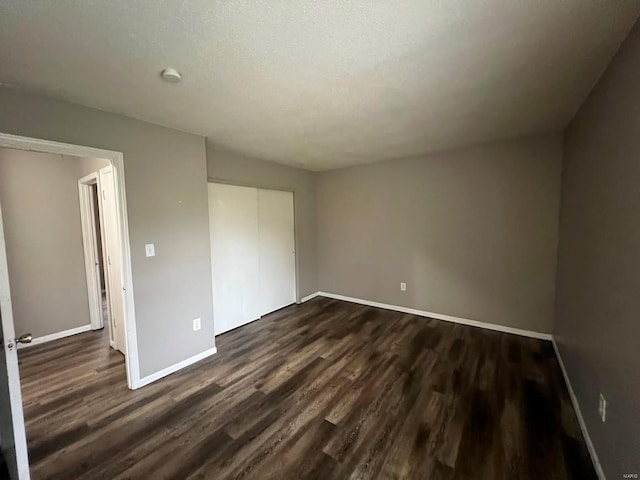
(276, 250)
(233, 222)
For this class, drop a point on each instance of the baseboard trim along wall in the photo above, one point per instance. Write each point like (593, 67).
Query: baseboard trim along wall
(438, 316)
(174, 368)
(55, 336)
(576, 408)
(309, 297)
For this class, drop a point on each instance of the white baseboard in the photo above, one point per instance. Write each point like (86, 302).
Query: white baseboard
(439, 316)
(55, 336)
(174, 368)
(309, 297)
(576, 407)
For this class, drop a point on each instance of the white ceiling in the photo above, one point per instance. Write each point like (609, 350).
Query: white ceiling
(321, 84)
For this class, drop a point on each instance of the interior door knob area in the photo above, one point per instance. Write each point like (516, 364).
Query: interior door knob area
(25, 338)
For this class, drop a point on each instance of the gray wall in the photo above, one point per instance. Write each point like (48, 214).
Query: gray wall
(41, 214)
(165, 175)
(234, 168)
(473, 232)
(598, 298)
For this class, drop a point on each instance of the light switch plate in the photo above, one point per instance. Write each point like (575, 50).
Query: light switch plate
(197, 324)
(150, 250)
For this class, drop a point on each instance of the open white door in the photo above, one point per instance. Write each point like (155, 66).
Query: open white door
(113, 256)
(12, 434)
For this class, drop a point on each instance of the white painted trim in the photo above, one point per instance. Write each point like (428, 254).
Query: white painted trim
(576, 406)
(439, 316)
(296, 257)
(178, 366)
(117, 160)
(91, 179)
(112, 248)
(105, 260)
(90, 247)
(55, 336)
(309, 297)
(16, 413)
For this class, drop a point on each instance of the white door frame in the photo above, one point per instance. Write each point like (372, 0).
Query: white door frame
(117, 160)
(90, 246)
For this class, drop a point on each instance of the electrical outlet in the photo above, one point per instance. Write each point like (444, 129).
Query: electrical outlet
(403, 286)
(602, 408)
(196, 324)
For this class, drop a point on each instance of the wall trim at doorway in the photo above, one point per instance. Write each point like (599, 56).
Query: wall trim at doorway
(55, 336)
(439, 316)
(174, 368)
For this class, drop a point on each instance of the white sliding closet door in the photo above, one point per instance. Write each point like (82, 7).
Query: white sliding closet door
(276, 250)
(252, 253)
(233, 221)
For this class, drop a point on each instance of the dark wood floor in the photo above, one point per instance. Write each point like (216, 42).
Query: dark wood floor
(325, 390)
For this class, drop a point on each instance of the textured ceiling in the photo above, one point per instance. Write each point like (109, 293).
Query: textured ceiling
(321, 84)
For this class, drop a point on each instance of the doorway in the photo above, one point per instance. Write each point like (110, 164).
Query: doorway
(103, 255)
(12, 426)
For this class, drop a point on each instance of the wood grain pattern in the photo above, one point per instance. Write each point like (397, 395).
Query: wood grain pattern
(326, 390)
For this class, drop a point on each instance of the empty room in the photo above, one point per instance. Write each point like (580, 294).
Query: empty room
(320, 240)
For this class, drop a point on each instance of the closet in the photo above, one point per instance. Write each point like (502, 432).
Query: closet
(252, 253)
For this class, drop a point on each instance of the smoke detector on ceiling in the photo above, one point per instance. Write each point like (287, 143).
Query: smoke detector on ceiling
(171, 75)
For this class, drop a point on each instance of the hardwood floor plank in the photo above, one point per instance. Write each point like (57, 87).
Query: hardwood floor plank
(326, 390)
